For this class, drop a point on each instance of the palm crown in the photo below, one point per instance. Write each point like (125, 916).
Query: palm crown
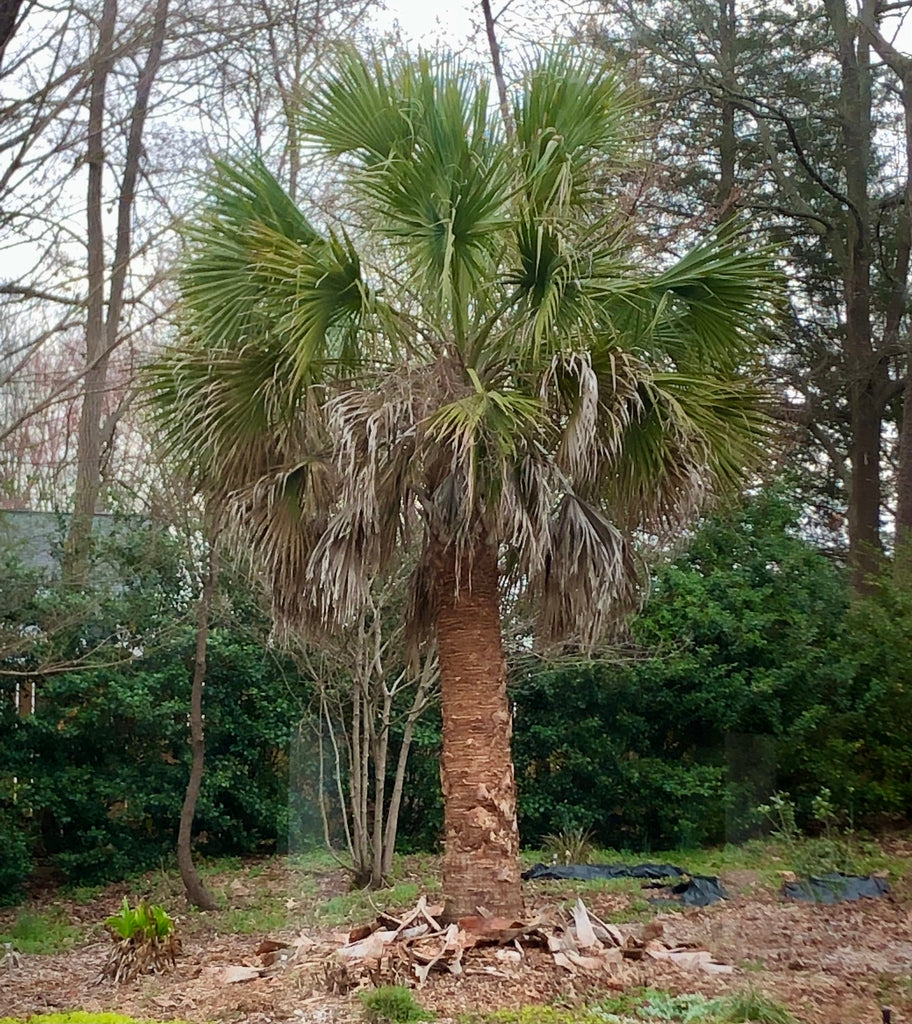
(467, 355)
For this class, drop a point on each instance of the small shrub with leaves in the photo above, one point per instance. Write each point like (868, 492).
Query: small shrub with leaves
(393, 1004)
(145, 939)
(834, 850)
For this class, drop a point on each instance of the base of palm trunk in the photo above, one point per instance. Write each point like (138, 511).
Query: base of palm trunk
(481, 859)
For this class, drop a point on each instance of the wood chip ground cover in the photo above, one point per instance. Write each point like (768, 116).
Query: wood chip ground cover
(829, 964)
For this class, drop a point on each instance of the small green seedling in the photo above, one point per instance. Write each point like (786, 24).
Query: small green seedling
(145, 938)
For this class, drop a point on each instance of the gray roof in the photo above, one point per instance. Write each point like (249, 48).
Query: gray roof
(35, 538)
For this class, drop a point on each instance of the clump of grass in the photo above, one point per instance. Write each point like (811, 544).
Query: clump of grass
(45, 932)
(572, 846)
(751, 1005)
(393, 1004)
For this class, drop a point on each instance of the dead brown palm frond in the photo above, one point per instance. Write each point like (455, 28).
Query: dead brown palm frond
(590, 579)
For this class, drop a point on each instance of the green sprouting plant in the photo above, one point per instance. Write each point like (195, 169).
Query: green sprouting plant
(571, 846)
(780, 814)
(145, 938)
(393, 1004)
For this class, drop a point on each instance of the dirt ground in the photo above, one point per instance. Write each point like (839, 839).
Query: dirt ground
(834, 964)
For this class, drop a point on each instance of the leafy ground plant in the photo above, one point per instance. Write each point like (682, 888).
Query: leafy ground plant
(651, 1006)
(145, 939)
(834, 850)
(393, 1004)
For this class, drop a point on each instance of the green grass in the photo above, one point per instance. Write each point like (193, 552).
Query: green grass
(649, 1006)
(279, 894)
(752, 1006)
(253, 920)
(361, 905)
(42, 932)
(766, 856)
(83, 894)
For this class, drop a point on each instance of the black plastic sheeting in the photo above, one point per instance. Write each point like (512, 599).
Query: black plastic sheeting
(589, 872)
(693, 890)
(835, 888)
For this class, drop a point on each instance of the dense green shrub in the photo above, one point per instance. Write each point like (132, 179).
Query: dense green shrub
(102, 764)
(15, 858)
(749, 671)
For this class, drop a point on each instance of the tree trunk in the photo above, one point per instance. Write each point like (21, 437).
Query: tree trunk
(88, 472)
(866, 371)
(901, 65)
(728, 143)
(497, 65)
(481, 865)
(102, 328)
(9, 14)
(419, 704)
(902, 558)
(197, 893)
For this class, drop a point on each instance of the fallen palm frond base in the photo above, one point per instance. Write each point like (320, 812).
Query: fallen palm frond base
(406, 949)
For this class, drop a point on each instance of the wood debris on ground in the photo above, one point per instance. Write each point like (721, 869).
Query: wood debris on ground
(406, 949)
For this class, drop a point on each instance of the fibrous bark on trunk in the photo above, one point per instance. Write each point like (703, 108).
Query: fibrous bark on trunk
(480, 865)
(901, 65)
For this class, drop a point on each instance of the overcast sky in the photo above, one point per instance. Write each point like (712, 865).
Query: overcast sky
(459, 24)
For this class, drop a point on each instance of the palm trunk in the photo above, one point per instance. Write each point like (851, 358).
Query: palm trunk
(480, 865)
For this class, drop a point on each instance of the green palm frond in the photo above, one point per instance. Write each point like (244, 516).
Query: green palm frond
(692, 437)
(482, 431)
(359, 109)
(437, 184)
(570, 120)
(315, 299)
(241, 193)
(470, 353)
(259, 273)
(705, 311)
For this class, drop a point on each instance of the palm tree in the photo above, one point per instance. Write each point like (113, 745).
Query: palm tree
(462, 361)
